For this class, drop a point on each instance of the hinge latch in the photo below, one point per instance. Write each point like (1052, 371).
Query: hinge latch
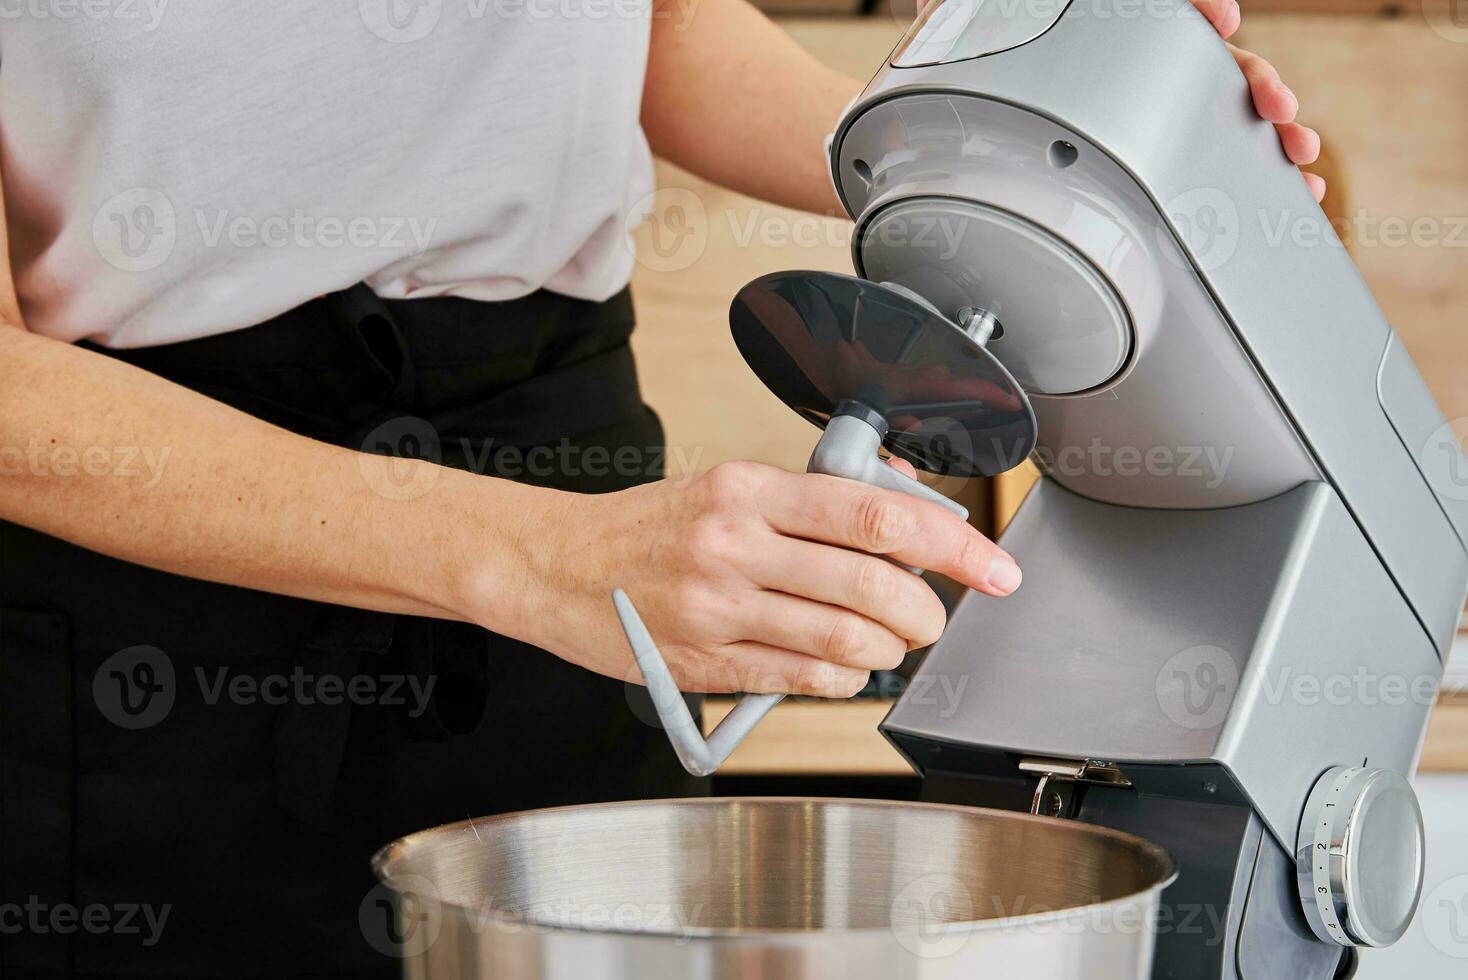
(1055, 796)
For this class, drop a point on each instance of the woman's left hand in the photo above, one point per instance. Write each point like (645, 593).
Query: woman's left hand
(1272, 97)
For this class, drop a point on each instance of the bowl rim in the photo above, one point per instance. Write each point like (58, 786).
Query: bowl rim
(1166, 871)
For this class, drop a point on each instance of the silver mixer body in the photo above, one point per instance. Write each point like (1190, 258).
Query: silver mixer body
(1249, 553)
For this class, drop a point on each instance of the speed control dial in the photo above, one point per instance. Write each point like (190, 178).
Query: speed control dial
(1360, 857)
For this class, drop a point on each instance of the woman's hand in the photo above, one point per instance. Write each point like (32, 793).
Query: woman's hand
(1272, 97)
(751, 578)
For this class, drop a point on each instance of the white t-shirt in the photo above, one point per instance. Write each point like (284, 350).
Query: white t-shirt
(180, 168)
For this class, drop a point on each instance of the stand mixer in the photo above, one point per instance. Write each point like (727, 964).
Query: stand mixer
(1074, 237)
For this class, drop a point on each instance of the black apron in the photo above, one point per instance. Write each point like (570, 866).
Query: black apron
(194, 776)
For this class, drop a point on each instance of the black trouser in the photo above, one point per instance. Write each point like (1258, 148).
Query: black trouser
(194, 776)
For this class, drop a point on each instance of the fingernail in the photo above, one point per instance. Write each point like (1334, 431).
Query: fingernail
(1004, 576)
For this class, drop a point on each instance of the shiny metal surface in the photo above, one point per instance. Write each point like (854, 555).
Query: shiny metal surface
(818, 339)
(777, 888)
(1066, 330)
(1361, 857)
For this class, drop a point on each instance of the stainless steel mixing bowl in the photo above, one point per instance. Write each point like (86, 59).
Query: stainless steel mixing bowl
(769, 888)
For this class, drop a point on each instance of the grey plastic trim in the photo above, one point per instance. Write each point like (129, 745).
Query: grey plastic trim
(699, 756)
(1419, 423)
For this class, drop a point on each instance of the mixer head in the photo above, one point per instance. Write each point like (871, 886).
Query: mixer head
(829, 344)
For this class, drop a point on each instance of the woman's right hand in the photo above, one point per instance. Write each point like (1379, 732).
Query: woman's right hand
(750, 578)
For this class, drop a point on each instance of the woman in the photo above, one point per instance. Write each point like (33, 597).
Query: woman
(254, 249)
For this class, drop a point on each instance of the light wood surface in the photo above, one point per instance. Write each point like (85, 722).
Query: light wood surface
(840, 738)
(1447, 739)
(1253, 8)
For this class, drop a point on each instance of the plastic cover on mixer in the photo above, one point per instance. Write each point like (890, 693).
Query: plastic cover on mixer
(955, 30)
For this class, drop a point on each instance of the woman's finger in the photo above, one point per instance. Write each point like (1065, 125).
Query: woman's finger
(885, 522)
(1316, 184)
(1272, 97)
(750, 667)
(873, 587)
(819, 630)
(1224, 15)
(1301, 143)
